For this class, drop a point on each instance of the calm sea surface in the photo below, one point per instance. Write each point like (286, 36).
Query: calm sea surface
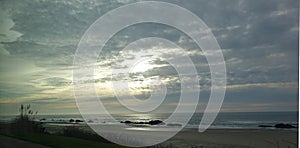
(223, 120)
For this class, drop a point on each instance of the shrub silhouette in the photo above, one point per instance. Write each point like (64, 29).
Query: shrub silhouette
(25, 120)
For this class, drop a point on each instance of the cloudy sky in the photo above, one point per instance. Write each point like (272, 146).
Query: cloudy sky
(38, 40)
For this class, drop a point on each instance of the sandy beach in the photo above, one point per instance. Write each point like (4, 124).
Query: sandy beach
(258, 138)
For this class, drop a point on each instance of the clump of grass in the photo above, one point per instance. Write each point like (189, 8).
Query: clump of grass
(25, 121)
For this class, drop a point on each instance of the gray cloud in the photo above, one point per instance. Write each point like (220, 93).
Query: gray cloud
(259, 39)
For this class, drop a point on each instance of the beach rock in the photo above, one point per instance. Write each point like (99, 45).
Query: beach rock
(140, 123)
(156, 122)
(152, 122)
(71, 120)
(78, 121)
(126, 122)
(44, 119)
(265, 126)
(281, 125)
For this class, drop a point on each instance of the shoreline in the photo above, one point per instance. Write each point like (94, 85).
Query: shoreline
(188, 127)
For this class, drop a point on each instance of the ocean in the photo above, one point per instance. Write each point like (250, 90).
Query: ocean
(224, 119)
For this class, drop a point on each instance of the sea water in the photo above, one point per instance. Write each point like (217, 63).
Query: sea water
(223, 120)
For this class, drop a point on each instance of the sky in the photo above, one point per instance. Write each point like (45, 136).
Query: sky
(38, 40)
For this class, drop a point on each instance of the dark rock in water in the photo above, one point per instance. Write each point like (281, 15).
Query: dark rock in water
(126, 122)
(155, 122)
(265, 126)
(281, 125)
(152, 122)
(71, 120)
(78, 121)
(43, 119)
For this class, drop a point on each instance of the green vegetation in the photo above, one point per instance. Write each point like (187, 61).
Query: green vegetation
(25, 128)
(57, 141)
(25, 121)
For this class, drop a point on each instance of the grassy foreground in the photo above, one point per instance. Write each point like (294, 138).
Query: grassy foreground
(56, 141)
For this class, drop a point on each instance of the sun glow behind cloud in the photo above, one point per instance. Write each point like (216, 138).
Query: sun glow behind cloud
(259, 41)
(141, 66)
(134, 70)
